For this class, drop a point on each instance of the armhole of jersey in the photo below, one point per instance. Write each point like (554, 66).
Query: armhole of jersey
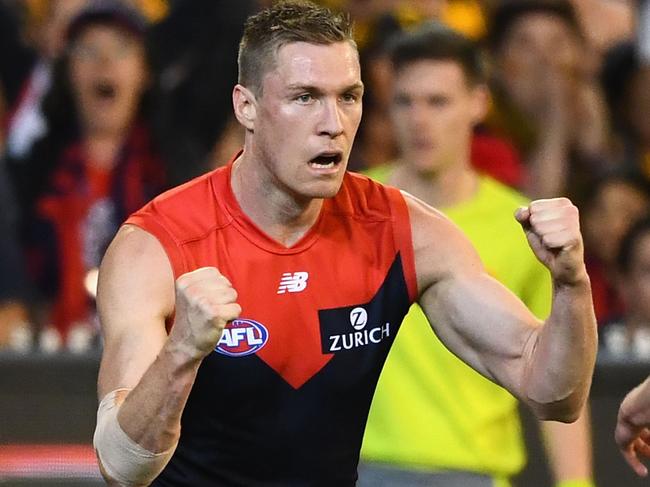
(403, 239)
(169, 244)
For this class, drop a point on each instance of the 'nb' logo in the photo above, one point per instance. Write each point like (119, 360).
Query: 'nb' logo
(293, 283)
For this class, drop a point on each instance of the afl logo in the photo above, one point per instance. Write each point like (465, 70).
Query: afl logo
(242, 337)
(358, 318)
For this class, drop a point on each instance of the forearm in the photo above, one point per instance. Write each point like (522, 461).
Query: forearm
(568, 449)
(563, 354)
(150, 415)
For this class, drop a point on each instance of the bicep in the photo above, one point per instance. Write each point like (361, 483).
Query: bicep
(135, 296)
(483, 323)
(475, 316)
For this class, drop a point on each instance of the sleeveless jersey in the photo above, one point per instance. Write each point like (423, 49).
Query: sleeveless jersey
(284, 397)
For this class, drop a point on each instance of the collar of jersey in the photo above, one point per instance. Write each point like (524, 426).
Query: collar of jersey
(248, 229)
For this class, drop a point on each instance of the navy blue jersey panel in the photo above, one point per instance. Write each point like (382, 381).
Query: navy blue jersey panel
(245, 425)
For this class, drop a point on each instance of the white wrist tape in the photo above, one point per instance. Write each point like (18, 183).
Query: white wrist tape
(122, 458)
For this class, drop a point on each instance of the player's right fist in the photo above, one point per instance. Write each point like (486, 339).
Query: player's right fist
(205, 302)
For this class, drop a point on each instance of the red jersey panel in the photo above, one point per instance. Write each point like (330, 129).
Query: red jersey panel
(317, 322)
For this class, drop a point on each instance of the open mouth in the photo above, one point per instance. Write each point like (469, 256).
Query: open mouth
(105, 90)
(326, 160)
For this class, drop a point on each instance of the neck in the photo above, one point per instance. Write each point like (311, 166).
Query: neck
(448, 187)
(102, 148)
(283, 216)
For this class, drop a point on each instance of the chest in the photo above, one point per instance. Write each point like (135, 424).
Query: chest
(341, 296)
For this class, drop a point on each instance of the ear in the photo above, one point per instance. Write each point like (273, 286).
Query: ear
(244, 104)
(480, 103)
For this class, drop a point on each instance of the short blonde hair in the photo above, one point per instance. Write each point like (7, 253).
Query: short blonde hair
(285, 22)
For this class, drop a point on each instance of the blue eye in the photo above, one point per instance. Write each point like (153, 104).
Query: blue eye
(305, 98)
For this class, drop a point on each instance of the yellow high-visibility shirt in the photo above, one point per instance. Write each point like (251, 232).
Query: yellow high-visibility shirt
(430, 410)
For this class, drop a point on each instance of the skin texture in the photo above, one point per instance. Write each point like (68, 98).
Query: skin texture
(311, 103)
(633, 428)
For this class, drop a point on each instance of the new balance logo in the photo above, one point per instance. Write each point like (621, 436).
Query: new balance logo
(293, 283)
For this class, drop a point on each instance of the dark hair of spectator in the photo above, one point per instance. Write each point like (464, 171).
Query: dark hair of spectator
(630, 178)
(113, 12)
(436, 42)
(620, 64)
(627, 249)
(285, 22)
(506, 14)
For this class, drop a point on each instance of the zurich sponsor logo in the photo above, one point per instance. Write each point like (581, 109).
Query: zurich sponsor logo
(358, 318)
(242, 337)
(362, 336)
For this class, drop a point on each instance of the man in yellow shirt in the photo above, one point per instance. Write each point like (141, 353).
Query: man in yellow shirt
(434, 421)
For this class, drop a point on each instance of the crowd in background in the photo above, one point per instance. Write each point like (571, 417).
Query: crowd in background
(103, 105)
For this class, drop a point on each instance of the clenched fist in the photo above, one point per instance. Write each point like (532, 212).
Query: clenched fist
(552, 227)
(205, 302)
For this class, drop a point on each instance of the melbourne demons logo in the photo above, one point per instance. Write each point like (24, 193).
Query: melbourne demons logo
(242, 337)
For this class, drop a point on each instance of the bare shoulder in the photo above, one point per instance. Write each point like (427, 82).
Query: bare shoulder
(135, 268)
(135, 295)
(440, 247)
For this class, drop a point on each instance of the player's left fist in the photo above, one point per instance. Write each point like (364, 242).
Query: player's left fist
(552, 227)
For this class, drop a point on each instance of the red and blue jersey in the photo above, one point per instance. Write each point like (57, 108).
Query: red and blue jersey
(284, 397)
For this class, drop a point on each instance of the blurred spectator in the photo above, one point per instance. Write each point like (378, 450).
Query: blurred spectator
(27, 68)
(95, 165)
(15, 61)
(13, 281)
(630, 335)
(466, 16)
(546, 99)
(614, 203)
(195, 51)
(627, 86)
(31, 40)
(375, 143)
(605, 22)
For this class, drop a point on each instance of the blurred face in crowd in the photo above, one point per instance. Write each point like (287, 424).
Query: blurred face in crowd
(434, 110)
(108, 75)
(635, 285)
(616, 207)
(538, 45)
(306, 116)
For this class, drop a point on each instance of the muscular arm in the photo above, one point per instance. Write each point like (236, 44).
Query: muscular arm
(136, 294)
(547, 365)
